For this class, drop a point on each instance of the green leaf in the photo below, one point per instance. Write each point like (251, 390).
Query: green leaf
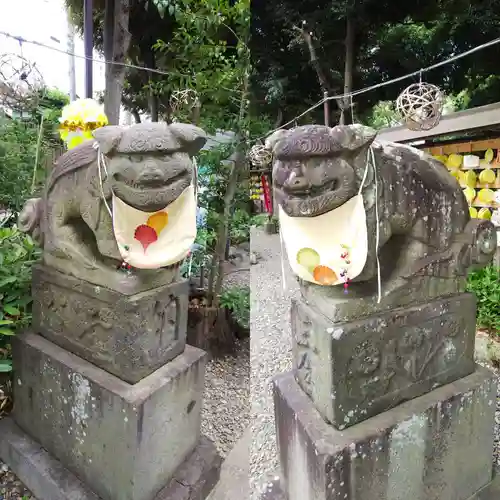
(5, 365)
(6, 322)
(11, 310)
(8, 281)
(6, 331)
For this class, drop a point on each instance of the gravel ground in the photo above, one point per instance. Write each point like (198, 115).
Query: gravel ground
(270, 350)
(226, 405)
(10, 486)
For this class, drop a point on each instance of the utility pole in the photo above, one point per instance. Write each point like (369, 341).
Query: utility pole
(71, 56)
(88, 28)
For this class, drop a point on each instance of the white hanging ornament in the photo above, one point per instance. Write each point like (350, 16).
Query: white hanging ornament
(420, 106)
(260, 156)
(183, 99)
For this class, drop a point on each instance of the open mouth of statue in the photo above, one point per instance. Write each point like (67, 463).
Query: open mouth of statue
(149, 184)
(310, 191)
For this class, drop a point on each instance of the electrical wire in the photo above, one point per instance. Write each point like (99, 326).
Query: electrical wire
(349, 95)
(22, 40)
(387, 82)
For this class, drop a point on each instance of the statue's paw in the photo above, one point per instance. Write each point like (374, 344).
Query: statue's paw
(69, 253)
(29, 216)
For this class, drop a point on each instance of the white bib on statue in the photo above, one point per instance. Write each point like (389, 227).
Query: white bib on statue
(158, 239)
(328, 249)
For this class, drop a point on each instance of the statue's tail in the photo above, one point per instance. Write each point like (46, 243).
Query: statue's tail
(29, 219)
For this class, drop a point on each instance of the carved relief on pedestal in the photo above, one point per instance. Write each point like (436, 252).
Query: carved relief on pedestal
(302, 329)
(377, 362)
(403, 356)
(124, 334)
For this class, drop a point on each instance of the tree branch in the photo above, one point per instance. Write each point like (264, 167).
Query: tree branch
(313, 59)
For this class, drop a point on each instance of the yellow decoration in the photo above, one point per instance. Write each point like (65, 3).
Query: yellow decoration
(461, 178)
(456, 174)
(441, 158)
(486, 196)
(487, 176)
(469, 194)
(484, 213)
(488, 156)
(470, 179)
(158, 221)
(454, 161)
(79, 119)
(472, 213)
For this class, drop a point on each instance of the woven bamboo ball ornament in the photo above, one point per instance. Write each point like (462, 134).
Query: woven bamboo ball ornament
(260, 156)
(183, 99)
(20, 83)
(420, 106)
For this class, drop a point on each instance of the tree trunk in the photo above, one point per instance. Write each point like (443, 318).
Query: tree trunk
(216, 274)
(279, 119)
(238, 163)
(136, 115)
(153, 106)
(116, 44)
(196, 112)
(108, 33)
(108, 37)
(151, 63)
(152, 97)
(346, 110)
(323, 82)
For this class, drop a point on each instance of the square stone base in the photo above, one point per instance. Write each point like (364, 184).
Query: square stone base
(436, 447)
(125, 441)
(273, 491)
(355, 370)
(128, 335)
(47, 479)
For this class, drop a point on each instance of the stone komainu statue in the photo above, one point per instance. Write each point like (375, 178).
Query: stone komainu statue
(148, 166)
(426, 239)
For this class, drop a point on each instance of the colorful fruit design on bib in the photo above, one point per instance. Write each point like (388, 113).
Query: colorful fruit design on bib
(148, 233)
(322, 274)
(308, 258)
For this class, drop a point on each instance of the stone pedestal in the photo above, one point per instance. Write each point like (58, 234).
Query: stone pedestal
(122, 441)
(128, 335)
(438, 446)
(355, 370)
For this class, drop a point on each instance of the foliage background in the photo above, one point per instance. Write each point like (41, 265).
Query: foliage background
(18, 148)
(485, 284)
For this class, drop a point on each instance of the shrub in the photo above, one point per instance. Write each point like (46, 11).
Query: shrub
(485, 283)
(18, 146)
(18, 252)
(237, 301)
